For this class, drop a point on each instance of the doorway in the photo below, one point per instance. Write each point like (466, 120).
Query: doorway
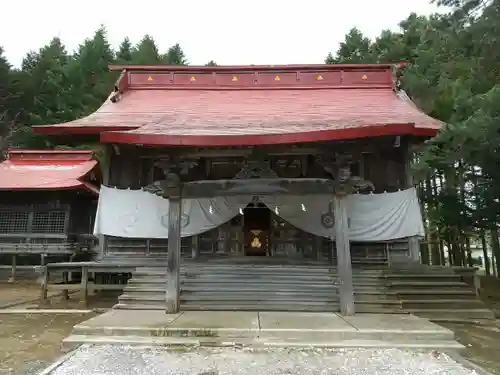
(257, 229)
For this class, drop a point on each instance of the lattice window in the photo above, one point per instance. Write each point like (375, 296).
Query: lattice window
(49, 222)
(13, 221)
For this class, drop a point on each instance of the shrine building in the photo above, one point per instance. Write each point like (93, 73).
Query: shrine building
(254, 187)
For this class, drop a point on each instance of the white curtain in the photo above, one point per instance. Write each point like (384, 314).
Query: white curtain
(139, 214)
(374, 217)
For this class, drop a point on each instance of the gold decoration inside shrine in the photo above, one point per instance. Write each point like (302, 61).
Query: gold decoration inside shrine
(150, 78)
(235, 79)
(364, 77)
(193, 79)
(319, 78)
(277, 78)
(256, 243)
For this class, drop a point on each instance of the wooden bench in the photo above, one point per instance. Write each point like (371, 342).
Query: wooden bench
(44, 245)
(84, 286)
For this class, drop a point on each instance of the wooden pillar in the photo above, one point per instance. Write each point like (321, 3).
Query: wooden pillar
(44, 285)
(103, 245)
(195, 250)
(105, 164)
(13, 270)
(413, 242)
(65, 294)
(174, 250)
(84, 290)
(344, 265)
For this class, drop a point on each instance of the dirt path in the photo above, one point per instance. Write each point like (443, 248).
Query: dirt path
(482, 344)
(30, 342)
(19, 293)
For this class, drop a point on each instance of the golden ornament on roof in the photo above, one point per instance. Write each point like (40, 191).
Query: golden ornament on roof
(235, 79)
(319, 78)
(277, 78)
(150, 78)
(364, 77)
(193, 79)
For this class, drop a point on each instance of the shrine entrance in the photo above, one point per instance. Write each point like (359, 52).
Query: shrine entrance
(257, 229)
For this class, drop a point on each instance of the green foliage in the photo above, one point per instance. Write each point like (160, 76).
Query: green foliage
(124, 54)
(53, 86)
(175, 56)
(146, 52)
(454, 76)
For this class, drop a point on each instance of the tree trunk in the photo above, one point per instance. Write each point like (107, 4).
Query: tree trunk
(495, 247)
(485, 253)
(469, 252)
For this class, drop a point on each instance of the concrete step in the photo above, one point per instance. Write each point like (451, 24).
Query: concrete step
(256, 278)
(429, 285)
(452, 304)
(359, 308)
(326, 289)
(74, 341)
(290, 296)
(273, 305)
(217, 332)
(423, 277)
(380, 304)
(447, 315)
(221, 281)
(237, 298)
(463, 294)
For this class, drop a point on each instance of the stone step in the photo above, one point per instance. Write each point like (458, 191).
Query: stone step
(74, 341)
(462, 293)
(288, 295)
(429, 285)
(449, 315)
(277, 277)
(221, 281)
(373, 292)
(452, 304)
(438, 297)
(214, 288)
(423, 276)
(247, 332)
(359, 308)
(231, 306)
(235, 297)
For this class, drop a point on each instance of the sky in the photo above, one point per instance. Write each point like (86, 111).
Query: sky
(228, 32)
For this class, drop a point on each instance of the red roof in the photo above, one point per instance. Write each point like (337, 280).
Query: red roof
(218, 106)
(46, 170)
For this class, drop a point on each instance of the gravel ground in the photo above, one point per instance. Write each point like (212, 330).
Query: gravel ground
(114, 360)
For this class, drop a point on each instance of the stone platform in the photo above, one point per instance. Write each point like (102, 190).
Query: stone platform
(260, 329)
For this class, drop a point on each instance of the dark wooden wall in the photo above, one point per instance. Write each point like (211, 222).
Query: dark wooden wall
(382, 161)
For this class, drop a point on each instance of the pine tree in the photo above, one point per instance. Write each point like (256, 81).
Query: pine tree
(355, 49)
(175, 56)
(5, 89)
(89, 74)
(146, 52)
(124, 54)
(45, 84)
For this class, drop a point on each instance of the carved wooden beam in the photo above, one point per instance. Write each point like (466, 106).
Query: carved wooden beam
(260, 186)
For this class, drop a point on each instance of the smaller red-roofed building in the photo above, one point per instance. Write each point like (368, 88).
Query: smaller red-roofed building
(47, 201)
(302, 163)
